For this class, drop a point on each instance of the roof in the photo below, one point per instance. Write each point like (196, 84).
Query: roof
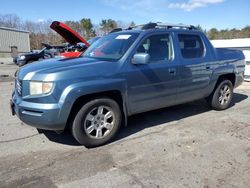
(14, 29)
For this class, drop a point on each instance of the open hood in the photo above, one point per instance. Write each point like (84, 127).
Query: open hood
(67, 33)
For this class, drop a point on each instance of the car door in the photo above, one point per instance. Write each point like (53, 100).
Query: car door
(194, 67)
(153, 85)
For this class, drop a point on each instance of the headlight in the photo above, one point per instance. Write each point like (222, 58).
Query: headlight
(38, 88)
(22, 57)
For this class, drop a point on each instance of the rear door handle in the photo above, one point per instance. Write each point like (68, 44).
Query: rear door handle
(207, 67)
(172, 71)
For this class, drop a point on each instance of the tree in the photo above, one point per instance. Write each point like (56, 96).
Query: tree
(87, 26)
(132, 24)
(75, 25)
(199, 27)
(107, 25)
(10, 21)
(246, 32)
(212, 34)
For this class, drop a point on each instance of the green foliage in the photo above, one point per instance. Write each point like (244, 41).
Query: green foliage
(229, 33)
(212, 33)
(75, 25)
(199, 27)
(87, 27)
(107, 25)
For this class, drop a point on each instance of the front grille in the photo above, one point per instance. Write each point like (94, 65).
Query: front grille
(19, 87)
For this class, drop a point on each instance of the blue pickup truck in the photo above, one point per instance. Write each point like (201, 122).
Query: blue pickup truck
(124, 73)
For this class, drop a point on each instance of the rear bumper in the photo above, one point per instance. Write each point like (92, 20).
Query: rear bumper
(42, 116)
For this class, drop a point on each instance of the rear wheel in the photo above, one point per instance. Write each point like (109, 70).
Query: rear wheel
(97, 122)
(222, 96)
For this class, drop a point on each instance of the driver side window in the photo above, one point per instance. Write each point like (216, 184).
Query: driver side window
(159, 47)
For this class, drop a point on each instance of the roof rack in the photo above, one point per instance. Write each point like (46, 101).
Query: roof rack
(115, 30)
(180, 26)
(157, 25)
(163, 25)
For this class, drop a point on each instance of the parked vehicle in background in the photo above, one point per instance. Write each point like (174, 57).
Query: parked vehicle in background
(79, 44)
(76, 45)
(78, 49)
(125, 73)
(47, 52)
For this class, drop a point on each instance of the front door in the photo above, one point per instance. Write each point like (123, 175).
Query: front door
(153, 85)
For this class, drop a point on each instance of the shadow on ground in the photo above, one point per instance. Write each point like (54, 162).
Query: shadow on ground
(64, 138)
(142, 121)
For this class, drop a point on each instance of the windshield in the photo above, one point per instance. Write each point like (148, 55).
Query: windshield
(111, 47)
(91, 41)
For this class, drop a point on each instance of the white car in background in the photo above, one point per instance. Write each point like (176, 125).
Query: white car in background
(247, 68)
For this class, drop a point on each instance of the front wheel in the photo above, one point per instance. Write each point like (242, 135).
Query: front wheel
(222, 96)
(97, 122)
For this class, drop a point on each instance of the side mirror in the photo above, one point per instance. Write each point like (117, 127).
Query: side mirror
(141, 58)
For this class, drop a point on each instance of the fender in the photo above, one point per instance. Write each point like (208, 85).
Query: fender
(222, 68)
(76, 90)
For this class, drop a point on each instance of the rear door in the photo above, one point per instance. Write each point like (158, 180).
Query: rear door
(153, 85)
(194, 66)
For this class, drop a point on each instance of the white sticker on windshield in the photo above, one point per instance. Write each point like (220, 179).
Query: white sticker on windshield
(123, 37)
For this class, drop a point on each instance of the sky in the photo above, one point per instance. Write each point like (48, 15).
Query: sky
(221, 14)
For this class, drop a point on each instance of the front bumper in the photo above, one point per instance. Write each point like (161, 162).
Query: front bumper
(42, 116)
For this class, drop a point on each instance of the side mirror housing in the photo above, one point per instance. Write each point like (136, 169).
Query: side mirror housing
(140, 58)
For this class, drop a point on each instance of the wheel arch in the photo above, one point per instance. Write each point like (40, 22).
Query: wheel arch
(229, 76)
(116, 95)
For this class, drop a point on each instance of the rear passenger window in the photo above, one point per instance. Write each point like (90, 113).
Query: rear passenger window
(191, 46)
(159, 47)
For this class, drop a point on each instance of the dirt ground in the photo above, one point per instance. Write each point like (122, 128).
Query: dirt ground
(187, 145)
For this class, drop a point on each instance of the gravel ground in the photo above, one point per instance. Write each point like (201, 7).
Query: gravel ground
(187, 145)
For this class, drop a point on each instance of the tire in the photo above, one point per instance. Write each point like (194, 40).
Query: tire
(40, 131)
(97, 122)
(221, 98)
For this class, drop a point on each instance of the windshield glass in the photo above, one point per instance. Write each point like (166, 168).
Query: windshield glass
(91, 41)
(111, 47)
